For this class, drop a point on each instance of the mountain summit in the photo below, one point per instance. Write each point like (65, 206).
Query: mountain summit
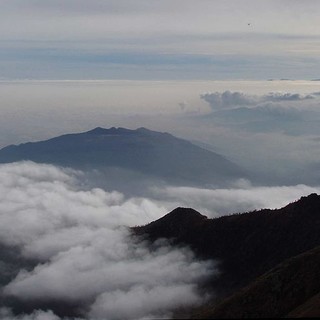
(149, 153)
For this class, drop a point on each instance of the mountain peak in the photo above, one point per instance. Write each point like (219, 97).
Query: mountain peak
(112, 130)
(143, 129)
(97, 130)
(184, 213)
(308, 204)
(311, 198)
(120, 130)
(173, 224)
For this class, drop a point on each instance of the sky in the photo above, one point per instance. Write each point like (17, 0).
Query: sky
(168, 39)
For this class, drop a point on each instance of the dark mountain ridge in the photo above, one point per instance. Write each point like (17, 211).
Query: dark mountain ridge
(247, 245)
(291, 289)
(149, 153)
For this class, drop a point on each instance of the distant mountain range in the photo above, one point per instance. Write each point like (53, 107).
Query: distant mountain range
(137, 154)
(247, 246)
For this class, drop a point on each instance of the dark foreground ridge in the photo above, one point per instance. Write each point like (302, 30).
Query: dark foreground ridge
(246, 245)
(143, 152)
(291, 289)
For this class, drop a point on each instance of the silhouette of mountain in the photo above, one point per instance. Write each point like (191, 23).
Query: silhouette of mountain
(176, 223)
(246, 245)
(309, 309)
(291, 289)
(142, 151)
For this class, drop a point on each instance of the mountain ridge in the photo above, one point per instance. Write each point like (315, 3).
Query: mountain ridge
(248, 244)
(142, 151)
(291, 289)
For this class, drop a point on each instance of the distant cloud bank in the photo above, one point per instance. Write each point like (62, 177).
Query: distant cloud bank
(229, 99)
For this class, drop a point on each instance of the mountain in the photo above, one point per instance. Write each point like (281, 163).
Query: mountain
(245, 245)
(140, 153)
(291, 289)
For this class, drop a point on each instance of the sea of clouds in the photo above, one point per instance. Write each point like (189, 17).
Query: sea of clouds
(83, 253)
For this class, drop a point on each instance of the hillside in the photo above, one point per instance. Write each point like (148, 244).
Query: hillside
(138, 154)
(292, 289)
(246, 245)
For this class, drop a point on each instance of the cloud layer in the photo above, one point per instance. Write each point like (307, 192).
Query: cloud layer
(82, 253)
(242, 197)
(86, 255)
(6, 314)
(229, 99)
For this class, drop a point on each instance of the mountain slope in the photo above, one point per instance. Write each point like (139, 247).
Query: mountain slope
(247, 245)
(290, 289)
(309, 309)
(150, 153)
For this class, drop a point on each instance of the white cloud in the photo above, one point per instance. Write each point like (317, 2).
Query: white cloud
(85, 251)
(228, 99)
(278, 96)
(156, 298)
(242, 197)
(6, 314)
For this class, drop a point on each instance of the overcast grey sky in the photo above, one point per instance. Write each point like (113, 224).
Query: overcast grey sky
(167, 39)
